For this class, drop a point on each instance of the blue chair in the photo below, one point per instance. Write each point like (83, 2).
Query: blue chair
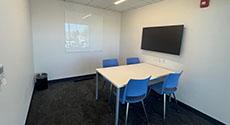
(134, 60)
(134, 92)
(168, 87)
(109, 63)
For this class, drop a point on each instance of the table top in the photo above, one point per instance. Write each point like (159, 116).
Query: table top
(120, 75)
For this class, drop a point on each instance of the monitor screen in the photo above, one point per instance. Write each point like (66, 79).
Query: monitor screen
(166, 39)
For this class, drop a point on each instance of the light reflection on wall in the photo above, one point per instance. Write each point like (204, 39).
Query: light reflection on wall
(83, 32)
(77, 35)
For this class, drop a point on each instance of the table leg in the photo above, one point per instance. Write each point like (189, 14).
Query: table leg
(117, 106)
(96, 85)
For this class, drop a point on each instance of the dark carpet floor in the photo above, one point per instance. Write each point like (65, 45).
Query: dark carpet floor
(73, 103)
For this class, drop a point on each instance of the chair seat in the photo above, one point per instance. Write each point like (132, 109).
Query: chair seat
(157, 88)
(129, 99)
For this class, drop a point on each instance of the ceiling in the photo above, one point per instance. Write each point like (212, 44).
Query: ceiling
(109, 4)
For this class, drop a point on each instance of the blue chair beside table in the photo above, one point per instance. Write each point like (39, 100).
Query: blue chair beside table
(135, 91)
(168, 87)
(134, 60)
(109, 63)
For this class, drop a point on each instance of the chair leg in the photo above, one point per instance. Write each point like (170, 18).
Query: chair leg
(145, 111)
(127, 113)
(110, 92)
(170, 96)
(176, 102)
(175, 98)
(164, 109)
(149, 91)
(103, 86)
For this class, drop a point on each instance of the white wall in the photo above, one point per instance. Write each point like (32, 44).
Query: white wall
(49, 40)
(16, 55)
(204, 58)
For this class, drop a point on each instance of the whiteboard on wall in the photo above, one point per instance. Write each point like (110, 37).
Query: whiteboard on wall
(83, 31)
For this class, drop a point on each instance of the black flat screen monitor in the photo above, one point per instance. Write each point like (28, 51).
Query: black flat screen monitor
(166, 39)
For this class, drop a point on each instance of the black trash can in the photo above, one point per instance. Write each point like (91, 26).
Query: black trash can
(41, 81)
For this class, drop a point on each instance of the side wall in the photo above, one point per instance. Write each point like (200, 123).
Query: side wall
(49, 41)
(204, 57)
(16, 54)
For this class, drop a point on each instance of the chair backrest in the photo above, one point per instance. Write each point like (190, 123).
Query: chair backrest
(134, 60)
(136, 88)
(110, 63)
(171, 82)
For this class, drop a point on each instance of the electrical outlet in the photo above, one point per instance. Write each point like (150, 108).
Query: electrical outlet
(163, 61)
(2, 75)
(159, 60)
(1, 68)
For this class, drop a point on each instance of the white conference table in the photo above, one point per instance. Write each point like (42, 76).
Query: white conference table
(120, 75)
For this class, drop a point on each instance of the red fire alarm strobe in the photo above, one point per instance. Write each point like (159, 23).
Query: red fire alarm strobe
(204, 3)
